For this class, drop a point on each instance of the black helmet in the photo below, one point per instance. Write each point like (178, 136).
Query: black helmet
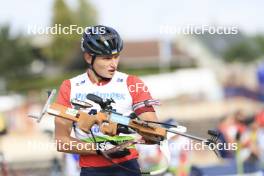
(101, 41)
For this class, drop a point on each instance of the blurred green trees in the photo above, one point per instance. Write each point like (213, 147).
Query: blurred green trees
(65, 47)
(248, 50)
(86, 14)
(15, 55)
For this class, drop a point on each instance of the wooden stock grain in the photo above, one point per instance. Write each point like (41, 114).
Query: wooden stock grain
(86, 121)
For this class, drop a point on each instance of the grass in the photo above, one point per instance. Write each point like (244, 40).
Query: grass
(38, 83)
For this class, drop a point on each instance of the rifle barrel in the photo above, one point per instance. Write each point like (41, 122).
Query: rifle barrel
(188, 136)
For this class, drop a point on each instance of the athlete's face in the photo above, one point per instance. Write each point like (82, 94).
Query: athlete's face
(106, 65)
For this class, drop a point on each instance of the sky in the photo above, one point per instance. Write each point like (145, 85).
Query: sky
(139, 19)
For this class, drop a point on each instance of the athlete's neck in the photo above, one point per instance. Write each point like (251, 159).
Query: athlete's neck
(95, 79)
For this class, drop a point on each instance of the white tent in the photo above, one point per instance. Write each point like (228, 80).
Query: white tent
(9, 102)
(184, 82)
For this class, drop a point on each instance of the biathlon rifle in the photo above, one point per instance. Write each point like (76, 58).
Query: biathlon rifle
(110, 122)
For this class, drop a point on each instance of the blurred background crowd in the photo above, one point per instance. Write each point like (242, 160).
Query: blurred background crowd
(204, 81)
